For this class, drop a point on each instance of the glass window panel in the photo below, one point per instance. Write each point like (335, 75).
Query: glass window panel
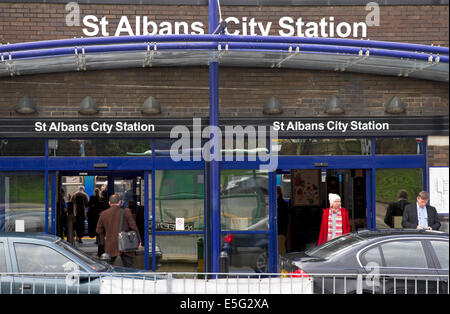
(399, 146)
(404, 254)
(372, 257)
(22, 200)
(179, 194)
(441, 249)
(103, 147)
(2, 258)
(243, 146)
(178, 148)
(22, 148)
(247, 252)
(323, 147)
(181, 253)
(244, 200)
(41, 259)
(388, 183)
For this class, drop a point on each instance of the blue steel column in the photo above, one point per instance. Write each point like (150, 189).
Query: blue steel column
(46, 188)
(2, 202)
(54, 201)
(273, 226)
(214, 173)
(144, 242)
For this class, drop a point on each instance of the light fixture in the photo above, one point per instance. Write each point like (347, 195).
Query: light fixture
(25, 106)
(88, 106)
(151, 106)
(333, 106)
(272, 106)
(395, 105)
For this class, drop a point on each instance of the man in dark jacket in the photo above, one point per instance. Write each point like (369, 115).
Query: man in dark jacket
(396, 209)
(108, 225)
(419, 215)
(80, 201)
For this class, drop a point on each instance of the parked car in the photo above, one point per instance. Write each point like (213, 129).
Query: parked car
(41, 263)
(383, 259)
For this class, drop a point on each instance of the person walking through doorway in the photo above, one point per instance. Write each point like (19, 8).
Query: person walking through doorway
(335, 221)
(108, 226)
(396, 209)
(80, 201)
(93, 214)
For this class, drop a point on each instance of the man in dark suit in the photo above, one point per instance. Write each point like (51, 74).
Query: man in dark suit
(396, 209)
(108, 226)
(419, 215)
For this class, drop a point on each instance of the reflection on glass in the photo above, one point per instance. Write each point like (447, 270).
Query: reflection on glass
(322, 147)
(388, 183)
(181, 253)
(244, 200)
(404, 254)
(240, 145)
(103, 147)
(247, 252)
(182, 149)
(22, 148)
(399, 146)
(22, 202)
(179, 194)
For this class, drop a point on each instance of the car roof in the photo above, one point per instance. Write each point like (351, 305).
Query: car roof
(372, 234)
(29, 236)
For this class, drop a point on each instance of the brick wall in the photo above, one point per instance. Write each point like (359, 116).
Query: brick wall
(21, 22)
(181, 91)
(184, 92)
(304, 93)
(437, 156)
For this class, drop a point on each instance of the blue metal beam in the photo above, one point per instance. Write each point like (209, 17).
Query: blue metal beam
(213, 22)
(214, 170)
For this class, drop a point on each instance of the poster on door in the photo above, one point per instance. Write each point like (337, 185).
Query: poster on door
(439, 191)
(305, 187)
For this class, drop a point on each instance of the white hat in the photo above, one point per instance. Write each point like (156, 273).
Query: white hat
(332, 197)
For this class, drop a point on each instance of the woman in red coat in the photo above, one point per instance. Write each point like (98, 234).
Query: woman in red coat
(334, 220)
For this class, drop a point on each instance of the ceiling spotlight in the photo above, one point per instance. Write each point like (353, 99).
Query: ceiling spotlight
(333, 106)
(25, 106)
(272, 106)
(88, 106)
(151, 106)
(395, 105)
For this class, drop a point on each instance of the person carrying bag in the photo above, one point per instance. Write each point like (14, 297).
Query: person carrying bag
(128, 240)
(120, 231)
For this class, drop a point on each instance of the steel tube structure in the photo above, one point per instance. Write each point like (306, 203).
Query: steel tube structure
(79, 42)
(40, 53)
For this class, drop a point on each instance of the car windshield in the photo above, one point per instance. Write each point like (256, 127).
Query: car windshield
(88, 260)
(332, 247)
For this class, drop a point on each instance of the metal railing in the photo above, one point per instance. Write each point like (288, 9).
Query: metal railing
(220, 283)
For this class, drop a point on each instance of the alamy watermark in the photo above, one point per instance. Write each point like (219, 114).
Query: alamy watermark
(211, 143)
(249, 143)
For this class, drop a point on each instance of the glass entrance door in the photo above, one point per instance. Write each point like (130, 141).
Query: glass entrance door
(178, 219)
(134, 189)
(306, 191)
